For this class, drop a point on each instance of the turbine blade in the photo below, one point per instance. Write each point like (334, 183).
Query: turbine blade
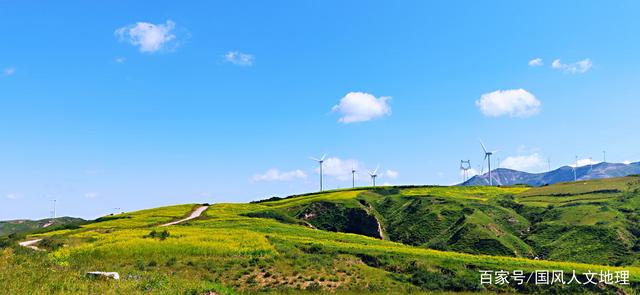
(483, 147)
(376, 171)
(323, 156)
(315, 159)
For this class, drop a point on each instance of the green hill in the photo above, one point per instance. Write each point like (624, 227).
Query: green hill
(19, 226)
(385, 240)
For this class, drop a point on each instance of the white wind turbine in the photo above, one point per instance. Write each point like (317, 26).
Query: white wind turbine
(54, 208)
(487, 156)
(353, 176)
(320, 161)
(374, 174)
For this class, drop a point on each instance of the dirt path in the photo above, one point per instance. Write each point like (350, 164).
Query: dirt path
(196, 213)
(30, 244)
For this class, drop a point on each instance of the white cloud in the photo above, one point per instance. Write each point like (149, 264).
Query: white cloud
(536, 62)
(91, 195)
(471, 172)
(579, 67)
(512, 102)
(120, 60)
(584, 162)
(148, 37)
(339, 168)
(523, 149)
(275, 175)
(14, 196)
(392, 174)
(626, 162)
(239, 58)
(361, 107)
(523, 163)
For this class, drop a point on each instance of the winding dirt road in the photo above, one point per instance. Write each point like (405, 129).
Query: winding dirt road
(30, 244)
(195, 214)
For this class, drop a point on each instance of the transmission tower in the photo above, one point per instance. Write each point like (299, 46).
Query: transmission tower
(465, 166)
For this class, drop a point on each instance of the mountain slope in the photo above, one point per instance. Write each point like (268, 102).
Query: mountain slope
(502, 176)
(308, 243)
(17, 226)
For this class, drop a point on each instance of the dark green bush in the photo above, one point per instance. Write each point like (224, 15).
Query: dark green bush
(51, 243)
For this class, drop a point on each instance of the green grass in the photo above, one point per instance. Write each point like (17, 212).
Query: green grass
(21, 226)
(271, 246)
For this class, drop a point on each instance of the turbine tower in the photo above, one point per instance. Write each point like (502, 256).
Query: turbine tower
(353, 177)
(575, 176)
(374, 174)
(487, 156)
(465, 166)
(320, 161)
(54, 208)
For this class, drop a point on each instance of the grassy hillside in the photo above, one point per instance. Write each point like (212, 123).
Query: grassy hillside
(588, 221)
(18, 226)
(385, 240)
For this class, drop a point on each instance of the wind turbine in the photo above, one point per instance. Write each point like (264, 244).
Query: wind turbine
(54, 208)
(320, 161)
(487, 156)
(374, 174)
(575, 175)
(353, 177)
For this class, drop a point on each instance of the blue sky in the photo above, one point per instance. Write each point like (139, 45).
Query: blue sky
(135, 105)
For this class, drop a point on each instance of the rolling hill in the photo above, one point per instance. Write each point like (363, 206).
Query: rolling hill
(392, 240)
(17, 226)
(503, 176)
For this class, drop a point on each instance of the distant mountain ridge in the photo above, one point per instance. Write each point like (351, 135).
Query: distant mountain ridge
(503, 176)
(24, 225)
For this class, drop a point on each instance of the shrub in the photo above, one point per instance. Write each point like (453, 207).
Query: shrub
(140, 265)
(152, 234)
(163, 235)
(427, 280)
(51, 243)
(171, 262)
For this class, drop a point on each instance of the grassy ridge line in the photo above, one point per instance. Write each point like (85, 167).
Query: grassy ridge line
(581, 187)
(340, 240)
(137, 219)
(418, 189)
(481, 193)
(360, 244)
(223, 236)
